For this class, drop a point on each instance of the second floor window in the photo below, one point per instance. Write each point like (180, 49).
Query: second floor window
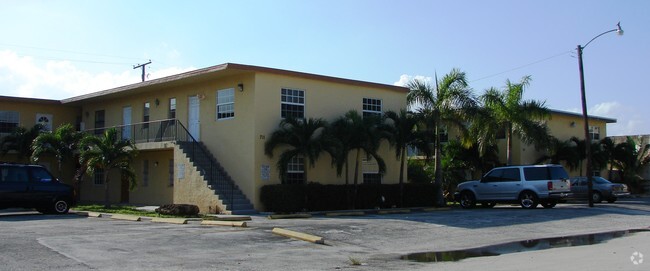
(226, 103)
(145, 114)
(100, 121)
(371, 107)
(172, 109)
(293, 103)
(594, 132)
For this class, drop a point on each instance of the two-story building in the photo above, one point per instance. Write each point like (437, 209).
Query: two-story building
(201, 134)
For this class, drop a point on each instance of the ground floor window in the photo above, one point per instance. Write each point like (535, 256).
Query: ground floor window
(295, 171)
(98, 177)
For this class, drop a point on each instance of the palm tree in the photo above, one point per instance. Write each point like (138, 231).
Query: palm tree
(62, 143)
(106, 153)
(607, 147)
(507, 110)
(365, 136)
(561, 151)
(20, 141)
(447, 104)
(401, 131)
(630, 158)
(305, 138)
(580, 146)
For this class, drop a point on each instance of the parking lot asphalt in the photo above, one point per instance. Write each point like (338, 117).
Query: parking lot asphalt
(32, 241)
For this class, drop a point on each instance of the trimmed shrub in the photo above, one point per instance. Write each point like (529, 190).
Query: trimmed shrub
(283, 198)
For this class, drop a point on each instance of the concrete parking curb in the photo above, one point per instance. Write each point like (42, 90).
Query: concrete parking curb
(240, 224)
(169, 220)
(299, 235)
(345, 214)
(125, 217)
(229, 217)
(289, 216)
(389, 212)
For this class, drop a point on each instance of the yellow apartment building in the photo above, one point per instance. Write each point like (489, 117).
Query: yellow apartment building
(201, 134)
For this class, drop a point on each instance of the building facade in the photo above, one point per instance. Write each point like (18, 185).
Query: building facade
(200, 135)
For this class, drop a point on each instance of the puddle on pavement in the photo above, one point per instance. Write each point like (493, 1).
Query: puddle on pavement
(522, 246)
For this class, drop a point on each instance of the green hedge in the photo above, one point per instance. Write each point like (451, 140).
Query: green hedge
(289, 198)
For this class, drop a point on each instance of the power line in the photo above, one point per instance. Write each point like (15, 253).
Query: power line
(523, 66)
(67, 51)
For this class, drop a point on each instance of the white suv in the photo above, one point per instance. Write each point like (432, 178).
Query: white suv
(526, 185)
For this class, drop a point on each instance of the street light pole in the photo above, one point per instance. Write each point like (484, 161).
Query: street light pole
(590, 185)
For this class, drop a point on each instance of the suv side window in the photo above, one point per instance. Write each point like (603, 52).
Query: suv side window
(41, 175)
(536, 173)
(503, 175)
(13, 174)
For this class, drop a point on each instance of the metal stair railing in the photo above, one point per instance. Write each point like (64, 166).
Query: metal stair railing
(174, 130)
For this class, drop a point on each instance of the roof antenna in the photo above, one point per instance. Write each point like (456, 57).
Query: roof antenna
(143, 67)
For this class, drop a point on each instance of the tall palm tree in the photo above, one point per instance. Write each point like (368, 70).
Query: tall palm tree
(507, 110)
(607, 147)
(580, 146)
(447, 104)
(62, 143)
(20, 141)
(108, 152)
(630, 158)
(306, 138)
(365, 137)
(401, 128)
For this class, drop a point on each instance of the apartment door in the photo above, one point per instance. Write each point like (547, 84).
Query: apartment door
(126, 121)
(193, 121)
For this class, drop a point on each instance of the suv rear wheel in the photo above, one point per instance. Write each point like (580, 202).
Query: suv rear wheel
(467, 200)
(528, 200)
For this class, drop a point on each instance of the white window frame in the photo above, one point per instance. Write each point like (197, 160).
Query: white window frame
(225, 104)
(292, 97)
(594, 132)
(372, 106)
(297, 166)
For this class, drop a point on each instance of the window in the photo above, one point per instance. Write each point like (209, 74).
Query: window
(45, 120)
(98, 177)
(545, 173)
(226, 103)
(172, 109)
(295, 171)
(145, 115)
(9, 121)
(371, 107)
(145, 173)
(40, 174)
(171, 172)
(100, 121)
(594, 132)
(293, 103)
(503, 175)
(13, 174)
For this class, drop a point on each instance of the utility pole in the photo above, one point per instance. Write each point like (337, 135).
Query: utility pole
(143, 67)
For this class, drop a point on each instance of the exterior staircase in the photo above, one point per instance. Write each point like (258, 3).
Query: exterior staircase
(217, 178)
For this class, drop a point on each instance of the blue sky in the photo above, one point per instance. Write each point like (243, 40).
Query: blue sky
(60, 49)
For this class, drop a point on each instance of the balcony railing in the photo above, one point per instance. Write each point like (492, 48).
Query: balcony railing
(173, 130)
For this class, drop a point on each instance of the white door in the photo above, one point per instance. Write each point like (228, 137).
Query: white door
(126, 121)
(193, 122)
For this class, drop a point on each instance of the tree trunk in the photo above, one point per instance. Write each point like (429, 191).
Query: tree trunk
(440, 201)
(107, 202)
(356, 178)
(401, 177)
(509, 144)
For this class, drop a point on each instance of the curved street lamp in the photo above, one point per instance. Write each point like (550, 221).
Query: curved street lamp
(590, 184)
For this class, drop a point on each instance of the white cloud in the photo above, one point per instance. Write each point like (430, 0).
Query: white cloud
(405, 78)
(628, 120)
(24, 77)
